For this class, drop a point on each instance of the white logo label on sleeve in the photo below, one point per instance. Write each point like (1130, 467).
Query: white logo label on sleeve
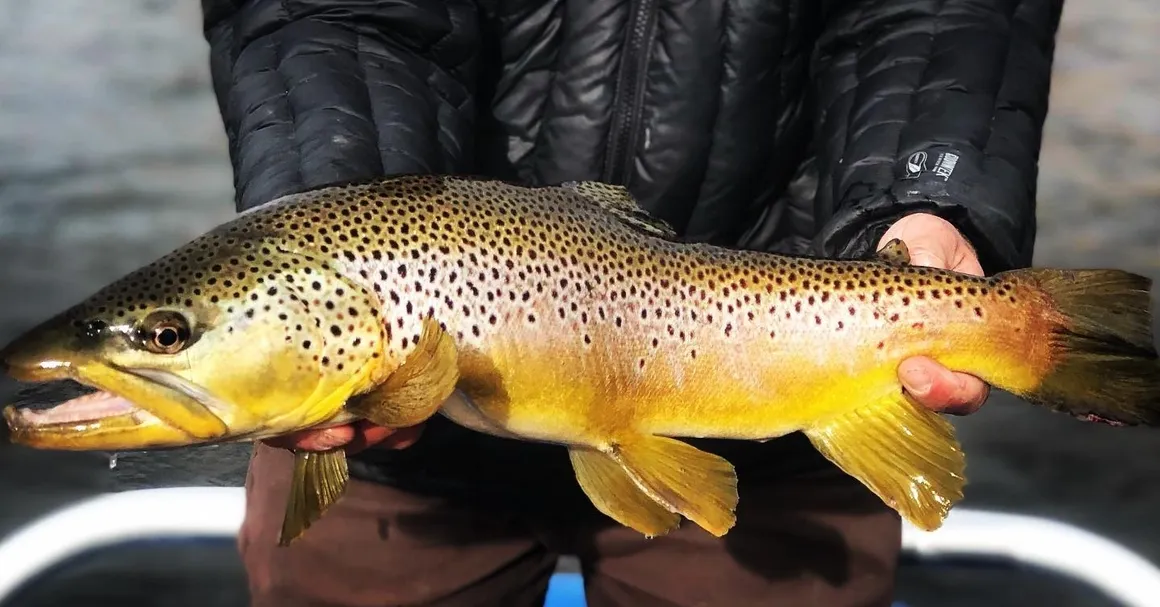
(916, 164)
(944, 165)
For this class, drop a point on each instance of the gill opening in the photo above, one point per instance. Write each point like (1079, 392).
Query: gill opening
(214, 405)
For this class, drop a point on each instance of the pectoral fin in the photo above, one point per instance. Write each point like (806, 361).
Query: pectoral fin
(908, 456)
(894, 252)
(319, 480)
(414, 392)
(698, 485)
(614, 493)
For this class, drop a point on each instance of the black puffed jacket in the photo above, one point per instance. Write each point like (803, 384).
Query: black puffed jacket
(802, 126)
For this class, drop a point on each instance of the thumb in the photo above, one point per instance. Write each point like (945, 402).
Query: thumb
(930, 240)
(923, 254)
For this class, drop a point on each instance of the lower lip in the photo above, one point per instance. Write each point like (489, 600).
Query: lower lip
(87, 408)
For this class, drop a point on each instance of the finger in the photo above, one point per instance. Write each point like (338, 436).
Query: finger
(969, 264)
(931, 240)
(921, 255)
(940, 389)
(403, 438)
(369, 435)
(323, 439)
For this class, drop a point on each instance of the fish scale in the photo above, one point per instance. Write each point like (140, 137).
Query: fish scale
(566, 314)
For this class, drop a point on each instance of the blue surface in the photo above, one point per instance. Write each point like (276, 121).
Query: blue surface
(567, 590)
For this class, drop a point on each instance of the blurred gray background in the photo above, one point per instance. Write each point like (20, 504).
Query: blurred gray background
(112, 153)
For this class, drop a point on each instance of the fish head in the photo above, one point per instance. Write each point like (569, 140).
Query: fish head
(228, 338)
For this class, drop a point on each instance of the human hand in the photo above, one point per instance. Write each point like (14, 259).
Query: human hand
(352, 437)
(935, 243)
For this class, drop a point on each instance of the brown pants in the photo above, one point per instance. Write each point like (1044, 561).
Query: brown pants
(815, 539)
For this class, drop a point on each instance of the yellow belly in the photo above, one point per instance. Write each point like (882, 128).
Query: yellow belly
(561, 392)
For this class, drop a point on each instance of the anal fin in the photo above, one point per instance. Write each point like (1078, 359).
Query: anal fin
(614, 493)
(415, 391)
(698, 485)
(318, 480)
(908, 456)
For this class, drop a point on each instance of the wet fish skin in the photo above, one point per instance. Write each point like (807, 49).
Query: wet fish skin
(568, 315)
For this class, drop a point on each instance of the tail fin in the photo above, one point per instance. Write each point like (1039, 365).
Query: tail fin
(1107, 368)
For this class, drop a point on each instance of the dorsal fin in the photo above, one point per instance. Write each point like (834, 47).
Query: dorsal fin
(894, 252)
(617, 200)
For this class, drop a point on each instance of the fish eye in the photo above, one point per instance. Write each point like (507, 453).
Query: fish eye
(165, 332)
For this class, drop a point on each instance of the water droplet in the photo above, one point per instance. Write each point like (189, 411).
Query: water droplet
(112, 461)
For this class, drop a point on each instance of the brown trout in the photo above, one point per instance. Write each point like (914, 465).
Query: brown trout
(566, 314)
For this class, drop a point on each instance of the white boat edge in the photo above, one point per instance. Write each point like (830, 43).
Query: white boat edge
(185, 512)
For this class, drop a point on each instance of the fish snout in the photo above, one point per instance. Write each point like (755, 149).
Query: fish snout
(35, 357)
(5, 426)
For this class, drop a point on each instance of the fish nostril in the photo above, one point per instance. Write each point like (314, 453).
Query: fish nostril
(12, 355)
(93, 328)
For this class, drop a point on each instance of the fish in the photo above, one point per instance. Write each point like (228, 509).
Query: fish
(567, 314)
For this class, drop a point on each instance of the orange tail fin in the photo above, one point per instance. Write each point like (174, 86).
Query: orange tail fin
(1107, 367)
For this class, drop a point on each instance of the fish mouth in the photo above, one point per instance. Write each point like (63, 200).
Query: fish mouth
(131, 409)
(90, 413)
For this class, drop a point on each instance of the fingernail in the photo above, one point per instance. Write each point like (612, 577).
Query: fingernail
(330, 439)
(917, 382)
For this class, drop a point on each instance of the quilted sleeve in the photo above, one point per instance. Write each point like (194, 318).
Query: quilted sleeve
(937, 106)
(316, 92)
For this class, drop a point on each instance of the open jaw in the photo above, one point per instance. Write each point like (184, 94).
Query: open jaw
(99, 421)
(130, 410)
(78, 414)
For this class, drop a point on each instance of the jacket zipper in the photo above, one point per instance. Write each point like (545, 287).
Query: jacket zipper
(626, 112)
